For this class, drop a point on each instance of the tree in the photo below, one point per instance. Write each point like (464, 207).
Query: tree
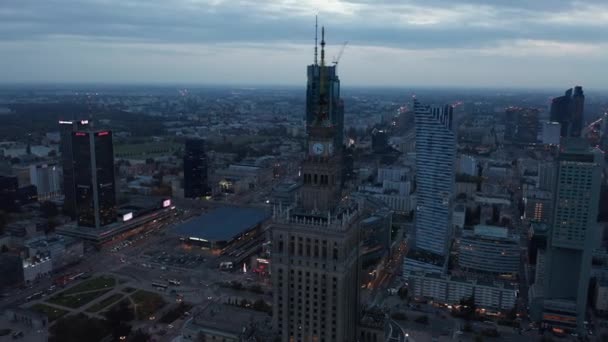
(3, 221)
(399, 316)
(120, 314)
(49, 209)
(79, 328)
(122, 329)
(422, 319)
(140, 336)
(512, 314)
(468, 307)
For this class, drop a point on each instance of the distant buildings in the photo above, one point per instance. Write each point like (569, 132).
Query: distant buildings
(13, 196)
(435, 165)
(573, 235)
(47, 179)
(468, 165)
(551, 133)
(95, 188)
(521, 125)
(568, 110)
(379, 140)
(195, 169)
(394, 187)
(240, 178)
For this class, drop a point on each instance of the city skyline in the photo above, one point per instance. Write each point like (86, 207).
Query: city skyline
(506, 44)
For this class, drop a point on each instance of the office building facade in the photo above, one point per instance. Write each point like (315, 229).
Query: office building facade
(95, 187)
(66, 129)
(489, 249)
(196, 182)
(435, 161)
(47, 179)
(521, 125)
(574, 234)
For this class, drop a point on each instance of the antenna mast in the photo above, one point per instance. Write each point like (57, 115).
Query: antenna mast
(316, 34)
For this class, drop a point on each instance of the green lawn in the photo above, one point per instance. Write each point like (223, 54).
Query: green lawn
(147, 303)
(76, 300)
(129, 289)
(50, 311)
(104, 303)
(97, 283)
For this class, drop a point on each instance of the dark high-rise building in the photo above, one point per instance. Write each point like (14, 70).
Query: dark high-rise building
(195, 169)
(573, 236)
(95, 188)
(9, 185)
(379, 140)
(560, 111)
(324, 86)
(66, 128)
(315, 256)
(568, 110)
(527, 126)
(578, 111)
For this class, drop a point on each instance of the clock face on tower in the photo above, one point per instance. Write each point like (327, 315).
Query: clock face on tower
(318, 148)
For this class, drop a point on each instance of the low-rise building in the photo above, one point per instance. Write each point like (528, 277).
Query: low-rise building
(494, 295)
(238, 178)
(489, 249)
(221, 322)
(37, 267)
(62, 250)
(600, 296)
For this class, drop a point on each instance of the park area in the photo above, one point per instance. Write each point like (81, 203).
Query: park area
(84, 292)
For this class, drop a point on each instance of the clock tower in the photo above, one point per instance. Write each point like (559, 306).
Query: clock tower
(322, 167)
(315, 241)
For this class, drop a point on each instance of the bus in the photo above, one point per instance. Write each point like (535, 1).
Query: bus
(160, 286)
(36, 295)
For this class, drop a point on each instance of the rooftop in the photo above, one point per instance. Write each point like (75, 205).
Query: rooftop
(223, 223)
(228, 319)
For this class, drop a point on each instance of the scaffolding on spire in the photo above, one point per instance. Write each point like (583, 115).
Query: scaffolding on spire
(322, 45)
(316, 34)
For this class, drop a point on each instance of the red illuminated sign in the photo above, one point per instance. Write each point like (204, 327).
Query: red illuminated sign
(80, 134)
(100, 134)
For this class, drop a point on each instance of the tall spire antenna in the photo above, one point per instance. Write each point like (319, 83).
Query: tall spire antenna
(316, 34)
(322, 45)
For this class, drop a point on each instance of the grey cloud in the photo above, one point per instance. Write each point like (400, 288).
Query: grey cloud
(180, 22)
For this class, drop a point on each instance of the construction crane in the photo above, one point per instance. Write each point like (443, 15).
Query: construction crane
(337, 59)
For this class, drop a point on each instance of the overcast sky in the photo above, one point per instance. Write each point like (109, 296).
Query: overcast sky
(468, 43)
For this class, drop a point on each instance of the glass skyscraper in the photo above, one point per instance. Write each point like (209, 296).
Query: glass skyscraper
(66, 128)
(195, 169)
(95, 188)
(568, 110)
(435, 162)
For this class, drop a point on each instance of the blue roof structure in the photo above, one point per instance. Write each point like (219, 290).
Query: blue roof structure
(222, 224)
